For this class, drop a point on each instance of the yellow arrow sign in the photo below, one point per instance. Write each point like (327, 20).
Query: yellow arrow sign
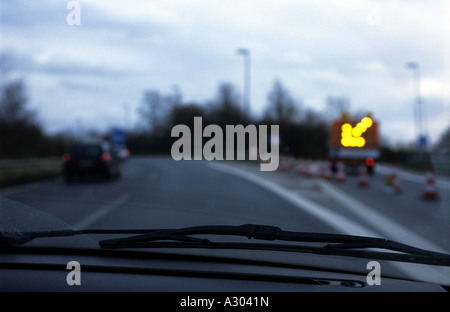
(351, 137)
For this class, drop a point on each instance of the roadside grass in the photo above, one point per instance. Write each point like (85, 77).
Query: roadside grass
(21, 171)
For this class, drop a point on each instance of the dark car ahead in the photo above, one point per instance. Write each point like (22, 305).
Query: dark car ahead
(85, 158)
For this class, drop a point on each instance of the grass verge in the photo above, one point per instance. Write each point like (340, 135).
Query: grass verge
(21, 171)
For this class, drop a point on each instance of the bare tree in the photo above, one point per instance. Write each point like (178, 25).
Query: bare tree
(13, 105)
(282, 107)
(226, 108)
(151, 109)
(337, 105)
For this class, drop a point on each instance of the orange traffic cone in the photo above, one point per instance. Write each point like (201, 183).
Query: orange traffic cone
(340, 175)
(363, 179)
(392, 185)
(430, 189)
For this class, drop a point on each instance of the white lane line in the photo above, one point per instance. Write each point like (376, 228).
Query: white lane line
(377, 220)
(333, 219)
(102, 212)
(390, 228)
(345, 225)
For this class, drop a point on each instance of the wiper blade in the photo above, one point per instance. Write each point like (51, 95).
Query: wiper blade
(330, 244)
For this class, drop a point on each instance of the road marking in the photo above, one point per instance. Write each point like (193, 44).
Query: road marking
(388, 227)
(334, 219)
(345, 225)
(377, 220)
(102, 212)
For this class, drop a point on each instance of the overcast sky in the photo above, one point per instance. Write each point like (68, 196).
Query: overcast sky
(94, 74)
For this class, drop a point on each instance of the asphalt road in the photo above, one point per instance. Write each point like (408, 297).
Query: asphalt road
(158, 192)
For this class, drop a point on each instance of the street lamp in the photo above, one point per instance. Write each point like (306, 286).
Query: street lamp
(126, 112)
(246, 101)
(417, 101)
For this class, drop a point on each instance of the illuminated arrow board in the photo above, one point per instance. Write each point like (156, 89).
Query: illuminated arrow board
(351, 137)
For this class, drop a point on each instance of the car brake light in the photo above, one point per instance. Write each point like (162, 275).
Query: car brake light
(66, 157)
(106, 157)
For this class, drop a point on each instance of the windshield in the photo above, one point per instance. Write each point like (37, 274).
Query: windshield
(319, 117)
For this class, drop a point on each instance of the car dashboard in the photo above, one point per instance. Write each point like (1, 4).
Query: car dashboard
(56, 270)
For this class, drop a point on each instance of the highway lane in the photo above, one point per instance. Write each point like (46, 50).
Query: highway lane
(347, 207)
(158, 192)
(369, 211)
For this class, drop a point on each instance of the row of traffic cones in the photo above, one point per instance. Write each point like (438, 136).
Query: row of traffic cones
(430, 190)
(325, 170)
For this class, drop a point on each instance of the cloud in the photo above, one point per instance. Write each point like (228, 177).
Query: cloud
(315, 48)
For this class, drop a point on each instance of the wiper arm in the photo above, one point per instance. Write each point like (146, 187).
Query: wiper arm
(336, 244)
(331, 244)
(255, 231)
(20, 238)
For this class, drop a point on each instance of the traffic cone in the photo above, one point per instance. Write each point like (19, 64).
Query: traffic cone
(363, 179)
(392, 184)
(430, 189)
(340, 175)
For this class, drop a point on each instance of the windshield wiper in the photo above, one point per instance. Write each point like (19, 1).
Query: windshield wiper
(329, 244)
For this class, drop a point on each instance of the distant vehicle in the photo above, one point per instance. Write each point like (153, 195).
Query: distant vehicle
(90, 157)
(122, 152)
(119, 141)
(355, 142)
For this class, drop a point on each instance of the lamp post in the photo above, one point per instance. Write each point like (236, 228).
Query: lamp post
(126, 112)
(246, 101)
(417, 103)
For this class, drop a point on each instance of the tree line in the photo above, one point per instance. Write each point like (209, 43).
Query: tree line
(303, 132)
(21, 134)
